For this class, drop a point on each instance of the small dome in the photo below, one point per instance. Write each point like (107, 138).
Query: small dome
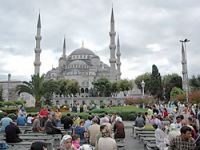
(82, 51)
(77, 62)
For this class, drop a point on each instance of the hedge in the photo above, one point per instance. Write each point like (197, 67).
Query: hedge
(126, 112)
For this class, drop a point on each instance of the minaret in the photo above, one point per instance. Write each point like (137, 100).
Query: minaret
(112, 47)
(64, 49)
(38, 38)
(63, 57)
(184, 69)
(118, 60)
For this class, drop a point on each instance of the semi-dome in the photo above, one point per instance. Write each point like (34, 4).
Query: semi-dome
(82, 51)
(77, 62)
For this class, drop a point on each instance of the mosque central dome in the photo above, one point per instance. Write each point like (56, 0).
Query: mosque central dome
(82, 51)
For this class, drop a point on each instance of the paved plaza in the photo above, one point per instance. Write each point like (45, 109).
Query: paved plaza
(131, 143)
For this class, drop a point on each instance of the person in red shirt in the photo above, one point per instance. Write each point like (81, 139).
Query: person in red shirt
(43, 115)
(165, 113)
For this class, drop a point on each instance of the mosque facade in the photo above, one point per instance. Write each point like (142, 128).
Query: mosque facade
(83, 65)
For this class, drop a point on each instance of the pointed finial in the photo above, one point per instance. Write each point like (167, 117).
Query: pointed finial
(112, 15)
(64, 44)
(82, 44)
(39, 22)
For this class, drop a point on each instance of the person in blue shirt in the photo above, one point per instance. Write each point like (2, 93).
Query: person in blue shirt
(21, 120)
(80, 130)
(5, 121)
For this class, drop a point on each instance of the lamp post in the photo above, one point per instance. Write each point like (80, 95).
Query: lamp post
(184, 68)
(142, 85)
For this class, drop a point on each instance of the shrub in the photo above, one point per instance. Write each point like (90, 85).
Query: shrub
(138, 100)
(126, 112)
(194, 97)
(32, 109)
(12, 116)
(1, 115)
(9, 109)
(9, 103)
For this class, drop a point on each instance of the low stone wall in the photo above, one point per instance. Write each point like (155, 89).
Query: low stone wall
(88, 100)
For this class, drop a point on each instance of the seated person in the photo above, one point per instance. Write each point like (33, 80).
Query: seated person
(5, 121)
(36, 125)
(12, 133)
(21, 120)
(50, 127)
(160, 136)
(38, 146)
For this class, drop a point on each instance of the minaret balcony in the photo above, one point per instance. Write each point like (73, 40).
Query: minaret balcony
(38, 50)
(112, 46)
(37, 63)
(38, 37)
(112, 60)
(112, 33)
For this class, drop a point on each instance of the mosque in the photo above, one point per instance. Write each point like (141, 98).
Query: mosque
(83, 65)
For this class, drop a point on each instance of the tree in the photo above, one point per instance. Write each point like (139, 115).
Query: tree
(175, 92)
(170, 81)
(156, 84)
(195, 82)
(102, 86)
(37, 87)
(73, 87)
(146, 77)
(63, 87)
(114, 88)
(124, 85)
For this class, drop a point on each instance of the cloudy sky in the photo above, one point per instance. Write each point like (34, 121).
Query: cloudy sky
(149, 32)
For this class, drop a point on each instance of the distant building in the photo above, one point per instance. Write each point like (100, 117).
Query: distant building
(9, 92)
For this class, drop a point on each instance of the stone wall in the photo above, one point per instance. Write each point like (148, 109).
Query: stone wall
(88, 100)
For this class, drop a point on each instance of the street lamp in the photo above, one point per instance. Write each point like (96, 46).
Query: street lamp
(184, 68)
(142, 85)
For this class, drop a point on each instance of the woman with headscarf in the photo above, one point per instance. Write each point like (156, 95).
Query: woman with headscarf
(119, 132)
(66, 143)
(106, 142)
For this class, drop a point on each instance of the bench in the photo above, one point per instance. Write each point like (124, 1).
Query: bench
(151, 146)
(145, 135)
(25, 145)
(24, 129)
(120, 144)
(55, 141)
(21, 145)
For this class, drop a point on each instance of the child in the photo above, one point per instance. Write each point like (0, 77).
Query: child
(76, 141)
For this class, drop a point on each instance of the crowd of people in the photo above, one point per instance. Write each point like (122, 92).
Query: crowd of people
(176, 125)
(97, 131)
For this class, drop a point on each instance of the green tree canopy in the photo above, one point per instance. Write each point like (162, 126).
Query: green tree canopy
(146, 77)
(37, 87)
(175, 92)
(195, 82)
(170, 81)
(102, 86)
(156, 84)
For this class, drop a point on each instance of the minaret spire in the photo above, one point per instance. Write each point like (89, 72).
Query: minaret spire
(112, 47)
(118, 60)
(38, 50)
(64, 49)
